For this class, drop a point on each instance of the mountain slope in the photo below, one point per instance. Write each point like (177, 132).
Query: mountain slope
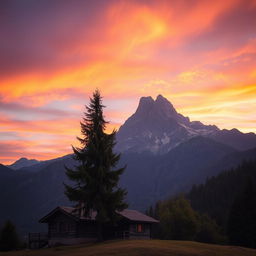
(235, 138)
(29, 195)
(149, 178)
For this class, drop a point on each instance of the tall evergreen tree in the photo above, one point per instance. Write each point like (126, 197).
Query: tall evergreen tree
(96, 177)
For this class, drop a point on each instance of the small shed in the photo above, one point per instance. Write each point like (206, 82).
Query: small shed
(67, 225)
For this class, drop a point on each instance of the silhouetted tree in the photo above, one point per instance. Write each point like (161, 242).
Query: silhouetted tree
(209, 231)
(9, 239)
(96, 177)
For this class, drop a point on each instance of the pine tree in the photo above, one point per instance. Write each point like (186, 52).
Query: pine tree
(96, 177)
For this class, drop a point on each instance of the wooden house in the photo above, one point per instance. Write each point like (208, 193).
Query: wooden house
(67, 225)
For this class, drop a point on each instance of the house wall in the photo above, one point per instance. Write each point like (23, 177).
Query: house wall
(61, 225)
(86, 229)
(64, 230)
(144, 233)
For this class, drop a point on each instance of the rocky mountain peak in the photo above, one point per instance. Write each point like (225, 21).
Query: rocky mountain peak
(160, 107)
(157, 127)
(145, 104)
(165, 106)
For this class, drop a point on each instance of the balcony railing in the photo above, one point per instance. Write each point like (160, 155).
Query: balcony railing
(37, 240)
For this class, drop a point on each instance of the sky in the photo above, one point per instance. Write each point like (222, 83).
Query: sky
(199, 54)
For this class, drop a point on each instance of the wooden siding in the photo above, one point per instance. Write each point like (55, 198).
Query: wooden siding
(66, 229)
(86, 229)
(135, 233)
(61, 225)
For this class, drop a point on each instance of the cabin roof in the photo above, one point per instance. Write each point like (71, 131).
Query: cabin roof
(72, 212)
(136, 216)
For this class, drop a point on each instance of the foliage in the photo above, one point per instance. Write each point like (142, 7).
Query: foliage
(216, 196)
(9, 239)
(242, 221)
(179, 221)
(227, 200)
(209, 231)
(96, 177)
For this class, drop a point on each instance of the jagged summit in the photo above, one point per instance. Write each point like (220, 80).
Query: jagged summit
(162, 100)
(145, 105)
(165, 106)
(159, 107)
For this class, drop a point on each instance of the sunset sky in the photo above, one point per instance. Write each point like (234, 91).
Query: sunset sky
(201, 55)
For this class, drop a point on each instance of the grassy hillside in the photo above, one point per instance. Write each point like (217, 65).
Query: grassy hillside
(140, 248)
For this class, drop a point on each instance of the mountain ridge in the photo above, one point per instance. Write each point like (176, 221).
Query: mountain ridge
(157, 127)
(22, 162)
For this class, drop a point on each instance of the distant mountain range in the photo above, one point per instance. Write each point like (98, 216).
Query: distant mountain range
(23, 162)
(165, 154)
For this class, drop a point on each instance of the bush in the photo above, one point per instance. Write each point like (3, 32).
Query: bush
(9, 239)
(178, 220)
(209, 231)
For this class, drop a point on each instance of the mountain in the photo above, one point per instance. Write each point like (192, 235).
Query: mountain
(30, 194)
(23, 162)
(235, 138)
(42, 164)
(5, 173)
(165, 154)
(7, 176)
(158, 128)
(151, 177)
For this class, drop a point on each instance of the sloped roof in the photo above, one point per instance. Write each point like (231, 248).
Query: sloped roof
(136, 216)
(132, 215)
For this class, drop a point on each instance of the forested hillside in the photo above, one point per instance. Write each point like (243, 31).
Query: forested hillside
(222, 210)
(217, 195)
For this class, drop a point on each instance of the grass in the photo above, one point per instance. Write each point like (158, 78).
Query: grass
(139, 248)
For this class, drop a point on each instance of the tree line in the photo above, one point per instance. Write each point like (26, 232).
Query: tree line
(220, 211)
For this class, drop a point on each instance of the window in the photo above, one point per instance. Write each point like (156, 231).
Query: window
(139, 228)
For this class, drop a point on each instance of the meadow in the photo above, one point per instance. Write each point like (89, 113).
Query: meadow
(139, 248)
